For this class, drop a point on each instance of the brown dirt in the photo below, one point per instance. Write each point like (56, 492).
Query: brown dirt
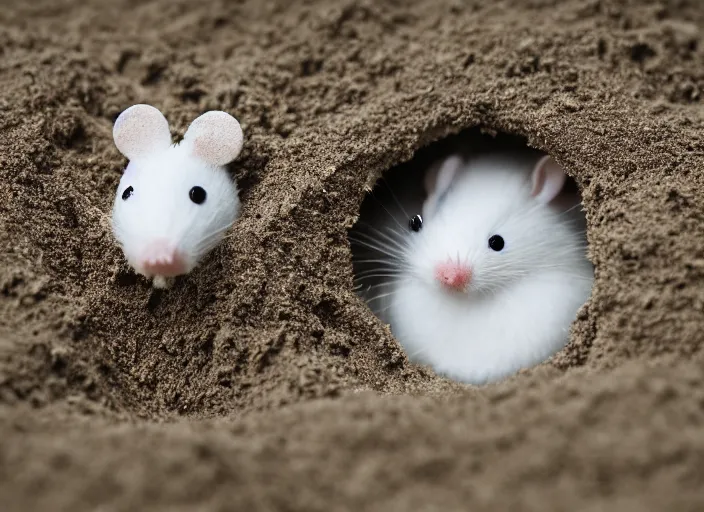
(260, 381)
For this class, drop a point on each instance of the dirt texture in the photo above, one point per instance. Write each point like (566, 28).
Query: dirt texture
(260, 381)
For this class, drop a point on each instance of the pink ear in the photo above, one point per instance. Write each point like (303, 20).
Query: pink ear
(140, 130)
(438, 179)
(548, 179)
(216, 137)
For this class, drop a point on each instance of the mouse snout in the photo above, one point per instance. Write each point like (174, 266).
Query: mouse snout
(453, 275)
(160, 257)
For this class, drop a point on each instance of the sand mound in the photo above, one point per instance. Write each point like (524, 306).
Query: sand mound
(261, 381)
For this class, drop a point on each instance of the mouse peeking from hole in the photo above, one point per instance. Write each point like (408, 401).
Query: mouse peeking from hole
(174, 202)
(481, 272)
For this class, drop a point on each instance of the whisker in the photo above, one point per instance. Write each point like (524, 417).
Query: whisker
(380, 311)
(570, 209)
(387, 211)
(381, 296)
(372, 273)
(401, 244)
(390, 263)
(214, 233)
(394, 197)
(388, 251)
(417, 352)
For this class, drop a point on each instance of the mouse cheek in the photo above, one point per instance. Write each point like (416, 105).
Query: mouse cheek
(120, 230)
(130, 240)
(129, 170)
(131, 250)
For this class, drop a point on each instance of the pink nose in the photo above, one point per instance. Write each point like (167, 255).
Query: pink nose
(163, 259)
(453, 275)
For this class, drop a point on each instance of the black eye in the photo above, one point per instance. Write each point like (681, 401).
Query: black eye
(197, 195)
(496, 243)
(127, 193)
(415, 222)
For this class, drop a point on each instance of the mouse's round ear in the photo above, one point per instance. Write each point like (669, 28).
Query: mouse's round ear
(547, 178)
(438, 180)
(215, 137)
(140, 130)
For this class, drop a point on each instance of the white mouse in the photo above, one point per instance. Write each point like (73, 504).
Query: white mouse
(495, 268)
(174, 202)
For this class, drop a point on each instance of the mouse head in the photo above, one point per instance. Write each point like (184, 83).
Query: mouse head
(174, 203)
(487, 222)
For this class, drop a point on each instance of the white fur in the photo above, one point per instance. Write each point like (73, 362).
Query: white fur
(519, 306)
(160, 206)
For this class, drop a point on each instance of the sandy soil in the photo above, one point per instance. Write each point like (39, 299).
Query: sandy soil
(260, 381)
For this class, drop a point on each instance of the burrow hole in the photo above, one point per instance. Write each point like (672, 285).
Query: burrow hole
(476, 275)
